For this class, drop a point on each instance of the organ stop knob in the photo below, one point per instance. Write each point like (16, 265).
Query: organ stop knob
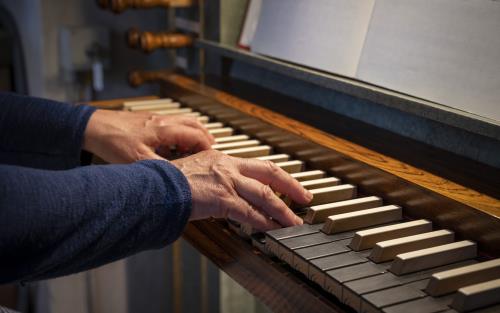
(137, 78)
(149, 41)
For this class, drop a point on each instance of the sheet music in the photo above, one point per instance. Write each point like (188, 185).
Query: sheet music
(446, 51)
(322, 34)
(250, 23)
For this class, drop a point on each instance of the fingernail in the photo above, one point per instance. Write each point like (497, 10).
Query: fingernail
(298, 220)
(309, 195)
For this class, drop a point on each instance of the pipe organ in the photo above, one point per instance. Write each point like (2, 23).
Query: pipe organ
(380, 235)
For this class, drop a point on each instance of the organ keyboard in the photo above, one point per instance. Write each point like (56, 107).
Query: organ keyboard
(372, 252)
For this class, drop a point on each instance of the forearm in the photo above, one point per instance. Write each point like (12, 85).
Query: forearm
(59, 222)
(41, 133)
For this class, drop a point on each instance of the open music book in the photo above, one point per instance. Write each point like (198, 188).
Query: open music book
(445, 51)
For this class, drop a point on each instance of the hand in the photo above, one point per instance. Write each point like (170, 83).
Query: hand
(124, 137)
(241, 189)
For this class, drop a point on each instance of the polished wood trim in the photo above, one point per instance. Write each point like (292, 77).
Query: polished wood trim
(118, 6)
(395, 167)
(115, 104)
(272, 283)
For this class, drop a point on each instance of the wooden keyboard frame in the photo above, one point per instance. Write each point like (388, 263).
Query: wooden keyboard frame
(472, 214)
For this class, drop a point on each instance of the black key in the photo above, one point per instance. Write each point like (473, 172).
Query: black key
(425, 305)
(318, 267)
(353, 290)
(274, 236)
(490, 309)
(294, 231)
(302, 256)
(375, 301)
(286, 246)
(335, 278)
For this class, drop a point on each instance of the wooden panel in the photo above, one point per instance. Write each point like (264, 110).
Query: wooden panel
(264, 278)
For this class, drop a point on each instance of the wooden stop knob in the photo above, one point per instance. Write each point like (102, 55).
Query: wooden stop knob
(119, 6)
(133, 37)
(151, 41)
(138, 78)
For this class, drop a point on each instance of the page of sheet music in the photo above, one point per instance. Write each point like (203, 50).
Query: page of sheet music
(446, 51)
(322, 34)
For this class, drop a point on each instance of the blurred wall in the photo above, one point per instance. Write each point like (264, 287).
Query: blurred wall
(39, 23)
(28, 15)
(77, 13)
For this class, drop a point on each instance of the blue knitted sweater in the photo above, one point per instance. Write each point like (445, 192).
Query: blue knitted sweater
(58, 218)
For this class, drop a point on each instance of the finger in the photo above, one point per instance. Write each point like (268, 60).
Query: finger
(270, 174)
(147, 154)
(193, 122)
(263, 197)
(186, 121)
(241, 211)
(185, 138)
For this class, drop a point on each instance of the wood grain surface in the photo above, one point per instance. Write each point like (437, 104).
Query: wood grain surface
(412, 174)
(272, 283)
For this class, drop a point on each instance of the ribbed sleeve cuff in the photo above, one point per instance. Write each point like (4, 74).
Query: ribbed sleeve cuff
(175, 204)
(81, 118)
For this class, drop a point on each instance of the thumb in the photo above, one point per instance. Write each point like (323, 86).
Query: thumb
(149, 154)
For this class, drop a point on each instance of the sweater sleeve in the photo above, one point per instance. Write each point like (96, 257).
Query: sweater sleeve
(55, 223)
(41, 133)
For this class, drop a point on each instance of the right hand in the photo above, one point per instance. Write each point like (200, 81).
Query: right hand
(241, 189)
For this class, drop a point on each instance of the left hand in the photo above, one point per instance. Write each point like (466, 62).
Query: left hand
(125, 137)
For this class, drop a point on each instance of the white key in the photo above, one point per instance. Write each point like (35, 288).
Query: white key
(449, 281)
(221, 132)
(332, 194)
(155, 107)
(320, 183)
(235, 145)
(477, 296)
(250, 152)
(175, 111)
(291, 166)
(389, 249)
(364, 218)
(308, 175)
(128, 104)
(203, 119)
(192, 114)
(319, 213)
(366, 239)
(231, 138)
(275, 158)
(433, 257)
(213, 125)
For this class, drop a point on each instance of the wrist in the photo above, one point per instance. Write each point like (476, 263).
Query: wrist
(93, 131)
